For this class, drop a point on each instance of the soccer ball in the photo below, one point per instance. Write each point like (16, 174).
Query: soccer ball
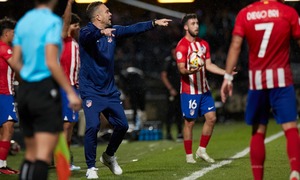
(14, 148)
(196, 59)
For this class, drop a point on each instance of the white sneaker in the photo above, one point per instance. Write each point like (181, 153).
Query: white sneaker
(190, 159)
(111, 163)
(74, 168)
(294, 175)
(91, 173)
(201, 153)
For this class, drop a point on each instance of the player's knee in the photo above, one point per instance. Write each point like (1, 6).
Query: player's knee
(122, 127)
(211, 120)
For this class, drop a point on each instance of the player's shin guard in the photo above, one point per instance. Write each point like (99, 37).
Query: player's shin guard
(293, 148)
(204, 140)
(257, 155)
(188, 146)
(4, 149)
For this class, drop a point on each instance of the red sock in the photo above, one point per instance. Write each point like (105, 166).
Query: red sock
(293, 148)
(257, 155)
(204, 140)
(4, 148)
(188, 146)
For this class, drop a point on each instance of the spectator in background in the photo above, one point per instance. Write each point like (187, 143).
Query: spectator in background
(69, 61)
(97, 43)
(270, 78)
(37, 46)
(135, 88)
(171, 79)
(7, 108)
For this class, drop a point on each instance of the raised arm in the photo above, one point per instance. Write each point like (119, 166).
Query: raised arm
(67, 18)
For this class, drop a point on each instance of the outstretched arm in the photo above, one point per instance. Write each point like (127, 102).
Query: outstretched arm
(232, 58)
(140, 27)
(67, 18)
(211, 67)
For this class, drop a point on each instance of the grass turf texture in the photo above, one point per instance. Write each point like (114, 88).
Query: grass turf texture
(166, 159)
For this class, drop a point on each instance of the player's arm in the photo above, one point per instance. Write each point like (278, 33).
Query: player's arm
(140, 27)
(184, 71)
(168, 85)
(165, 80)
(211, 67)
(233, 53)
(89, 35)
(15, 62)
(231, 61)
(67, 18)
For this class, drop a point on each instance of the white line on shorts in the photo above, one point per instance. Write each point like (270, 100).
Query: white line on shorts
(243, 153)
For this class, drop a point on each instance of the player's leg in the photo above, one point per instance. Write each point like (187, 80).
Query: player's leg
(26, 168)
(92, 108)
(7, 119)
(44, 152)
(47, 122)
(119, 122)
(188, 139)
(8, 129)
(257, 150)
(27, 164)
(284, 105)
(257, 113)
(208, 109)
(189, 106)
(70, 117)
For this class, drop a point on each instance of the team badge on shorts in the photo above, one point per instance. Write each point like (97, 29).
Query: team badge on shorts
(192, 112)
(88, 103)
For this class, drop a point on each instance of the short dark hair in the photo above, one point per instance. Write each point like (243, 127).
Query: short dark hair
(6, 23)
(75, 19)
(187, 17)
(90, 10)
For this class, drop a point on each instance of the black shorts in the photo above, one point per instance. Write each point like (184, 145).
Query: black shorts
(40, 107)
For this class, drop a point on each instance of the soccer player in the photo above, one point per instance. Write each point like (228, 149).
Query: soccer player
(196, 98)
(37, 46)
(268, 27)
(7, 109)
(97, 43)
(171, 79)
(69, 61)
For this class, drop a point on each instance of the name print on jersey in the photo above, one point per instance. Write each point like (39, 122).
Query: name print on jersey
(271, 13)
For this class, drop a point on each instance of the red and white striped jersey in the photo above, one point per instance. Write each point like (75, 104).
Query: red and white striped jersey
(70, 60)
(6, 73)
(193, 83)
(268, 26)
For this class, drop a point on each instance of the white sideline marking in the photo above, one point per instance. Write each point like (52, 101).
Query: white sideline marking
(243, 153)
